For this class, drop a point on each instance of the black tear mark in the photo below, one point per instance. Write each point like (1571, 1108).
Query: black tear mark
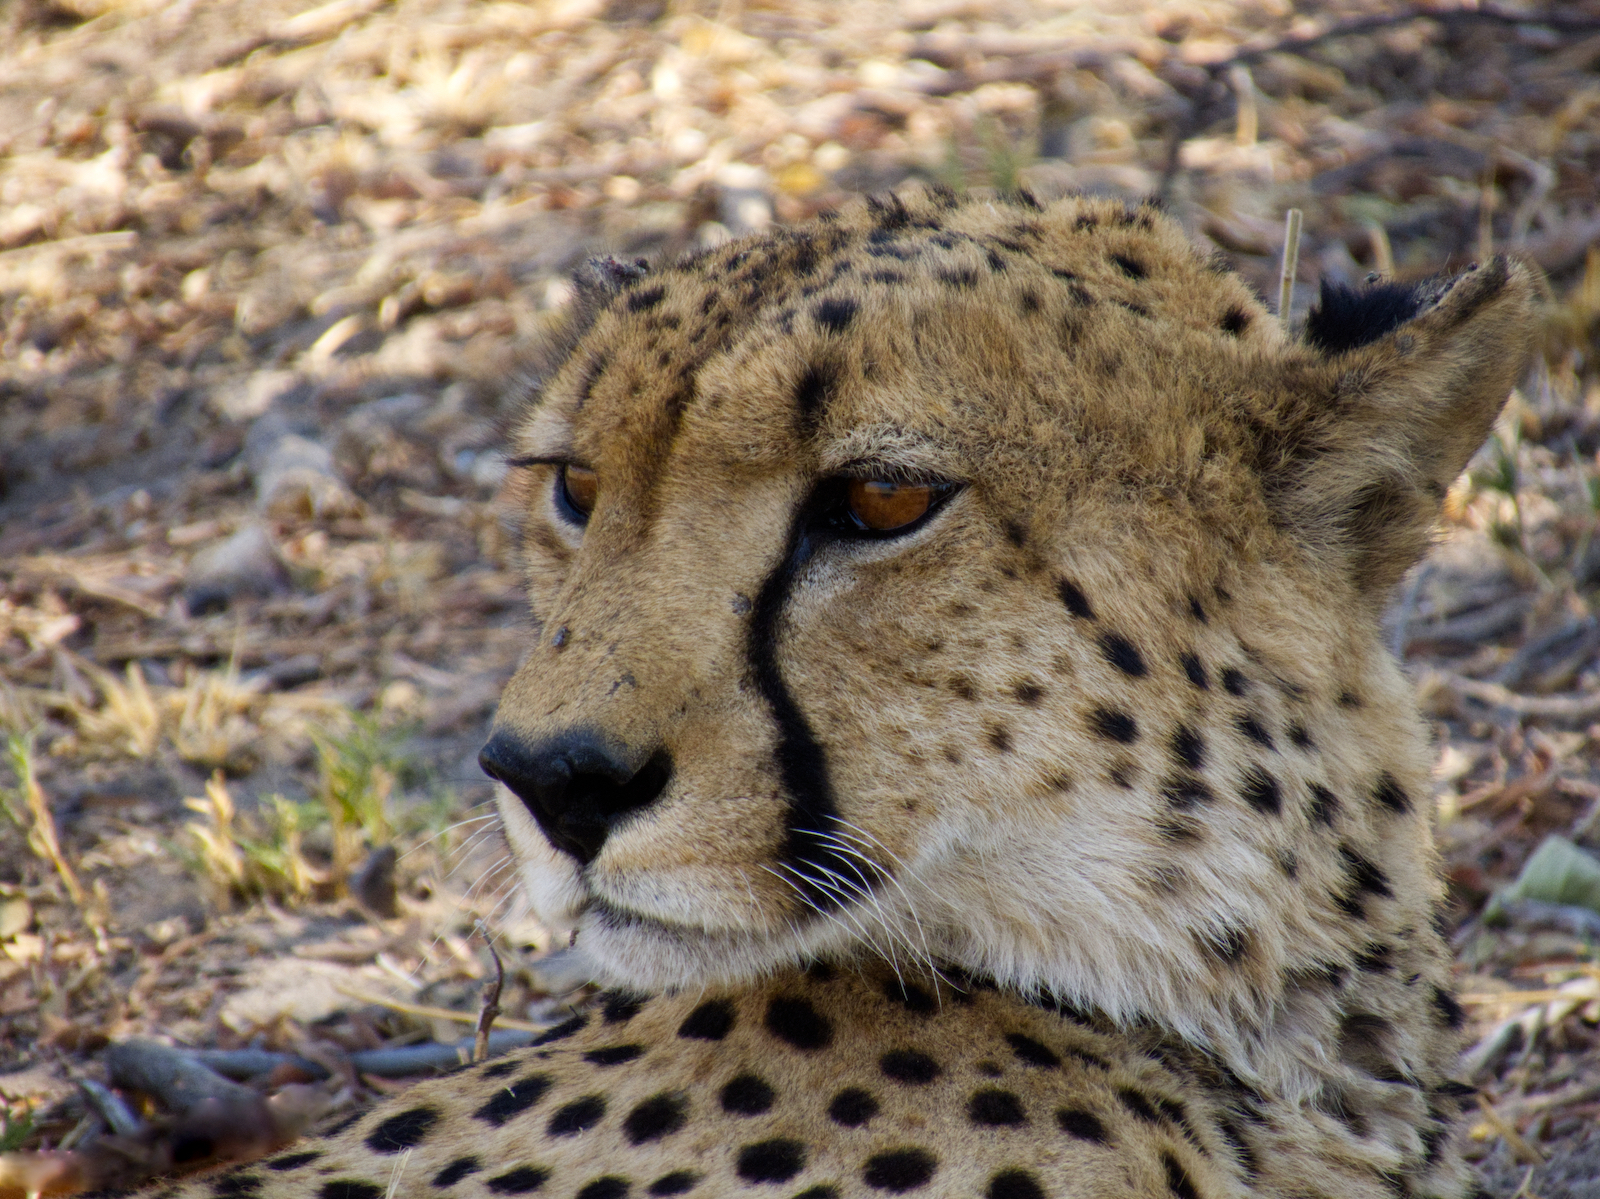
(834, 313)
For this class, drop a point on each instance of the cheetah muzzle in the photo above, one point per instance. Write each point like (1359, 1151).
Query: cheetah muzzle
(957, 726)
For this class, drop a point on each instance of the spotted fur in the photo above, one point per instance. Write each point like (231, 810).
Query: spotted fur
(1094, 794)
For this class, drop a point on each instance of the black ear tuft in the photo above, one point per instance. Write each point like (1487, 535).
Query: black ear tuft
(1346, 318)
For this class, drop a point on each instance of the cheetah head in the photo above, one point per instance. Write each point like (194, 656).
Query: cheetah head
(991, 585)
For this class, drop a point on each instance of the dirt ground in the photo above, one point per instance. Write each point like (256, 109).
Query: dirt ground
(268, 275)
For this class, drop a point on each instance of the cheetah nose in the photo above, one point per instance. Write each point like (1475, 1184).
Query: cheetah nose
(577, 785)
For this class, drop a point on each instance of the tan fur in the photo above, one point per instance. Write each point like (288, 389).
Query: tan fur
(1195, 812)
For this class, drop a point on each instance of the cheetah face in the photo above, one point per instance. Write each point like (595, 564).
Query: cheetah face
(955, 583)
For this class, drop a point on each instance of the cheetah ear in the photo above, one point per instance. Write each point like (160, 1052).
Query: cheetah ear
(1404, 389)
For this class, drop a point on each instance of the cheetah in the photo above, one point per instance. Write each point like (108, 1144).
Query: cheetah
(955, 726)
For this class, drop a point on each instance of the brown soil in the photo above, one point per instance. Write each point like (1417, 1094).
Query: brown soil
(268, 274)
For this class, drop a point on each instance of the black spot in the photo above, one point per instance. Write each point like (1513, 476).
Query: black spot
(1300, 737)
(961, 278)
(1324, 804)
(1349, 699)
(1178, 1180)
(1374, 958)
(711, 1021)
(835, 313)
(911, 996)
(1027, 301)
(456, 1171)
(1234, 682)
(852, 1107)
(777, 1160)
(522, 1181)
(1450, 1012)
(1388, 792)
(499, 1069)
(1365, 874)
(1197, 610)
(1177, 831)
(796, 1022)
(1084, 1125)
(227, 1185)
(1260, 791)
(823, 1190)
(995, 1108)
(1196, 671)
(1014, 1184)
(1452, 1088)
(292, 1161)
(1117, 726)
(1246, 1156)
(643, 301)
(562, 1031)
(1251, 728)
(402, 1131)
(514, 1099)
(676, 1183)
(1346, 318)
(1138, 1105)
(1130, 267)
(1230, 947)
(1189, 748)
(1072, 596)
(747, 1095)
(909, 1066)
(899, 1170)
(609, 1187)
(961, 687)
(1183, 793)
(1136, 309)
(814, 388)
(349, 1188)
(1122, 654)
(1234, 321)
(656, 1117)
(1000, 738)
(618, 1007)
(1031, 1051)
(577, 1116)
(613, 1055)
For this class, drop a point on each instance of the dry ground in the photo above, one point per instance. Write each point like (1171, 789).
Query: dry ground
(268, 273)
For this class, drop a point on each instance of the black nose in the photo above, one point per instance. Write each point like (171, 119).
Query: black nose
(577, 786)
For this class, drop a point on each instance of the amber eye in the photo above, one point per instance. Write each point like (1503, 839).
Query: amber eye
(576, 488)
(882, 507)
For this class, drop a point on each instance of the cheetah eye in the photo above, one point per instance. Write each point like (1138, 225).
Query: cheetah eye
(577, 487)
(885, 508)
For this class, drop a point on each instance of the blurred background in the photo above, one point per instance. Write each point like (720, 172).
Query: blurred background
(269, 273)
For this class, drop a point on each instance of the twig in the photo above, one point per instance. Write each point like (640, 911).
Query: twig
(400, 1165)
(1248, 127)
(1291, 264)
(435, 1013)
(1382, 251)
(1504, 1127)
(1584, 706)
(489, 1007)
(399, 1061)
